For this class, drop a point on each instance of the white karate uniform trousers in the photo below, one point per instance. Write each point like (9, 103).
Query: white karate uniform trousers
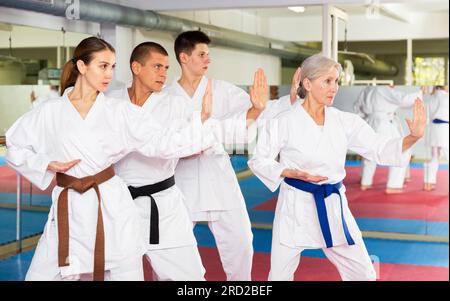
(389, 127)
(177, 258)
(352, 262)
(176, 264)
(396, 177)
(44, 265)
(430, 169)
(233, 235)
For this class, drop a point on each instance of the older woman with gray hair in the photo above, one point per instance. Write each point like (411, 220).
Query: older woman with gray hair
(312, 140)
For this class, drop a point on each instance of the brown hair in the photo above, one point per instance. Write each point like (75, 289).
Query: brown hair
(85, 52)
(186, 42)
(143, 50)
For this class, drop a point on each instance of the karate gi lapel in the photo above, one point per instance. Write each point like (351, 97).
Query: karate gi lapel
(91, 137)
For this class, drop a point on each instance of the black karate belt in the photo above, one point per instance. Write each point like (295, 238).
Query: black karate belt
(148, 190)
(439, 121)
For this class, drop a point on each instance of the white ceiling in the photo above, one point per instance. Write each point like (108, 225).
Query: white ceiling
(411, 7)
(278, 7)
(400, 10)
(415, 18)
(397, 20)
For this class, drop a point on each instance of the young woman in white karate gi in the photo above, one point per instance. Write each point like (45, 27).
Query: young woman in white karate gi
(93, 225)
(312, 141)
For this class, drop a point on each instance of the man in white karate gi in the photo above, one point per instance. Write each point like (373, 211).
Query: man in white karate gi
(208, 180)
(171, 246)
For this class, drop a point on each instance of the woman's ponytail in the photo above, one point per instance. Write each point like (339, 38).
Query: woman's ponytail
(84, 52)
(68, 76)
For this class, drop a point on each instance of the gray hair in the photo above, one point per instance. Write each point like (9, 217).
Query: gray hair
(314, 67)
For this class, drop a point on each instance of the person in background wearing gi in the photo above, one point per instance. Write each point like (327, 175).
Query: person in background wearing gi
(312, 140)
(360, 106)
(438, 138)
(37, 100)
(379, 108)
(208, 181)
(167, 228)
(362, 110)
(93, 226)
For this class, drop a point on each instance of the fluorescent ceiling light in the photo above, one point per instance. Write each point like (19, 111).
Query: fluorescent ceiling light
(297, 9)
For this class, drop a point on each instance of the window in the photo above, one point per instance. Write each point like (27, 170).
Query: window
(429, 71)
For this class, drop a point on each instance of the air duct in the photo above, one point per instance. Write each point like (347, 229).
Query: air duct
(103, 12)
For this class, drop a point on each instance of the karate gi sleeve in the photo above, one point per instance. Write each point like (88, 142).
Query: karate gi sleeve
(381, 149)
(272, 138)
(234, 121)
(232, 117)
(403, 100)
(275, 107)
(176, 139)
(26, 148)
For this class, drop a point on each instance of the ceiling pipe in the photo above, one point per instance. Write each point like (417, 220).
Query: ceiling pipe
(104, 12)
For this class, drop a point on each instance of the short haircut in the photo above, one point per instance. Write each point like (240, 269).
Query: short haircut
(186, 42)
(143, 50)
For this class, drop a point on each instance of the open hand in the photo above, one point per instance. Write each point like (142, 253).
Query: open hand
(62, 167)
(417, 125)
(295, 83)
(301, 175)
(207, 102)
(258, 92)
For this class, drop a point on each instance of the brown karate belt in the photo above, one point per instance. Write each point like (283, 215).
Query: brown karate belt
(81, 185)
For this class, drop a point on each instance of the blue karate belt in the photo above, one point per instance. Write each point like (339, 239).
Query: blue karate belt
(438, 121)
(320, 193)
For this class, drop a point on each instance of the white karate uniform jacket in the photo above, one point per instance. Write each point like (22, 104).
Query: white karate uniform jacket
(438, 109)
(55, 131)
(208, 181)
(379, 106)
(302, 144)
(175, 228)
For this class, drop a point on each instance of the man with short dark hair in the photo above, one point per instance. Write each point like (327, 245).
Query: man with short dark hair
(208, 180)
(171, 245)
